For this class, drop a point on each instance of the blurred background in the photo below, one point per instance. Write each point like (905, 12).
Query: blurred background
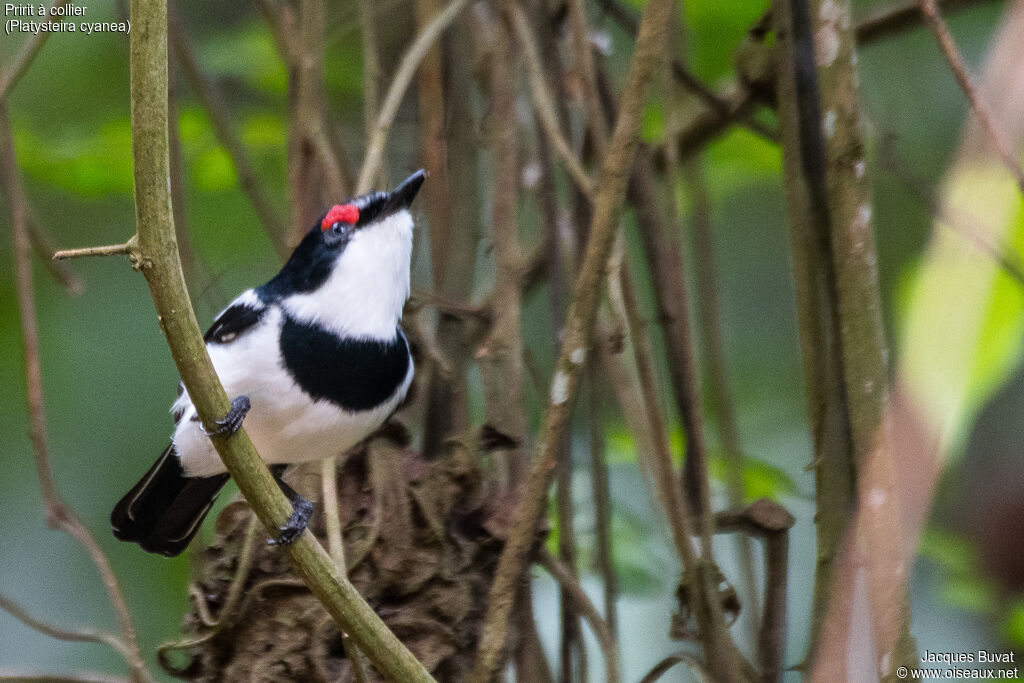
(109, 380)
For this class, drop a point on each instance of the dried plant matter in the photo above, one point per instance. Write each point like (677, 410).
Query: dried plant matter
(421, 540)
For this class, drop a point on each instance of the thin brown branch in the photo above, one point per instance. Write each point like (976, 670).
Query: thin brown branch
(202, 607)
(421, 298)
(769, 521)
(665, 254)
(901, 17)
(44, 249)
(430, 99)
(329, 486)
(930, 10)
(500, 356)
(372, 75)
(717, 382)
(681, 349)
(20, 64)
(716, 379)
(280, 18)
(626, 387)
(816, 296)
(336, 156)
(222, 122)
(571, 585)
(544, 104)
(666, 479)
(663, 250)
(109, 250)
(81, 677)
(336, 548)
(585, 64)
(399, 84)
(58, 514)
(547, 258)
(572, 653)
(305, 114)
(535, 266)
(707, 124)
(572, 637)
(1007, 259)
(549, 39)
(420, 338)
(333, 168)
(647, 54)
(236, 606)
(228, 614)
(447, 404)
(251, 595)
(662, 667)
(529, 660)
(602, 499)
(76, 635)
(722, 109)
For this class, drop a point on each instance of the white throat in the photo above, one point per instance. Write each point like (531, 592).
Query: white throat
(368, 286)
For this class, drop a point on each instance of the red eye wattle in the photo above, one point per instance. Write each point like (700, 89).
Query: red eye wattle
(340, 213)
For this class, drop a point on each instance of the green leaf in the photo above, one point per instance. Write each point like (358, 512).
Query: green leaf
(264, 131)
(716, 29)
(1013, 625)
(760, 479)
(194, 128)
(213, 171)
(962, 585)
(950, 551)
(620, 447)
(652, 128)
(87, 163)
(964, 321)
(248, 53)
(635, 579)
(739, 160)
(969, 593)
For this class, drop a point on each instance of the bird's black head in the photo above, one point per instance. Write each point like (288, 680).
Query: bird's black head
(339, 224)
(313, 259)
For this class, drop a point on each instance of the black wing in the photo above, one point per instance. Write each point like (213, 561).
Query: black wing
(242, 315)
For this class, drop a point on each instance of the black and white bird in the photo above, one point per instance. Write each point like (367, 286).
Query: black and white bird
(315, 358)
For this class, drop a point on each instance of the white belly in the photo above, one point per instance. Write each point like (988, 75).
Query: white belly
(284, 423)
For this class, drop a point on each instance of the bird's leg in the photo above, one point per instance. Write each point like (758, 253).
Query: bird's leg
(302, 510)
(231, 422)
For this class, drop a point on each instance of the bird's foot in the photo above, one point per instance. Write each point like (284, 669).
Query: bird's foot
(290, 531)
(302, 510)
(231, 422)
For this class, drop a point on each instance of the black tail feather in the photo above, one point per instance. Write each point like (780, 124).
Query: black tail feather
(166, 508)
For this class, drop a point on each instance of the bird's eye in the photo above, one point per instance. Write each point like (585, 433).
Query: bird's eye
(337, 234)
(337, 224)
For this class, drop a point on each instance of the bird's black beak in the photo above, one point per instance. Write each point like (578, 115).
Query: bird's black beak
(401, 197)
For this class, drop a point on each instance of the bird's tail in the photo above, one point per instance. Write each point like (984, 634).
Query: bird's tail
(166, 508)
